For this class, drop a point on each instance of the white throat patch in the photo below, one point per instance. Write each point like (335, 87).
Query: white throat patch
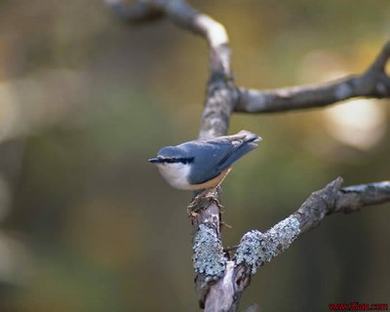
(176, 174)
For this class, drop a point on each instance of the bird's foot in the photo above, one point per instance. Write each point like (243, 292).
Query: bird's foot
(201, 200)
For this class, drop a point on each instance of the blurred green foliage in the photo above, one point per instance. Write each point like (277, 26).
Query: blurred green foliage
(88, 224)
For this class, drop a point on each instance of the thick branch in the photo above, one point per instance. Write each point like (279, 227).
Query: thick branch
(221, 97)
(374, 82)
(258, 248)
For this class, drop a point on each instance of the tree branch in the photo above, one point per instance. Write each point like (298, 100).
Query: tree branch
(220, 278)
(184, 16)
(221, 97)
(256, 248)
(374, 82)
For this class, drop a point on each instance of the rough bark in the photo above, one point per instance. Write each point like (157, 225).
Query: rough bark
(256, 248)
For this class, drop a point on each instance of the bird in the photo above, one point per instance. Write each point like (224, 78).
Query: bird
(204, 163)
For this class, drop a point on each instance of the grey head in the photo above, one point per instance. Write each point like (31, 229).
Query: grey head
(172, 154)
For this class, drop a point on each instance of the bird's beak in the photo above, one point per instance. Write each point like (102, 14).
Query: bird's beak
(155, 160)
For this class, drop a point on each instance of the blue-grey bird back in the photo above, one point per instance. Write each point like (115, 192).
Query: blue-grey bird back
(211, 157)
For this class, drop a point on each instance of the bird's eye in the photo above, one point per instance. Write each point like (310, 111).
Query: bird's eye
(186, 160)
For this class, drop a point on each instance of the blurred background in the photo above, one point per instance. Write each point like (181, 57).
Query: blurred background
(87, 224)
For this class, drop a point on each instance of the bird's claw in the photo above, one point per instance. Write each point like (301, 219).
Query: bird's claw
(199, 201)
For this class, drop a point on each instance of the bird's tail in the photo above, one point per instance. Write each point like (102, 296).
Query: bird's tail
(244, 136)
(242, 143)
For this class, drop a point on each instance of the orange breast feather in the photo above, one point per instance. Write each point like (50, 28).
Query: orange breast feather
(213, 182)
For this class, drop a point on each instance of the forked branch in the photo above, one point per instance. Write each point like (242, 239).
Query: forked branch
(221, 278)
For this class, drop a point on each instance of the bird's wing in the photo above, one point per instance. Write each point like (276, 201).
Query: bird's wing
(213, 156)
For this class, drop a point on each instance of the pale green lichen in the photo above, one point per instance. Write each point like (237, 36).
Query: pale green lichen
(257, 248)
(249, 251)
(208, 257)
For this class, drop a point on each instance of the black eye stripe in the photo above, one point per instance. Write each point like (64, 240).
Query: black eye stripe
(186, 160)
(182, 160)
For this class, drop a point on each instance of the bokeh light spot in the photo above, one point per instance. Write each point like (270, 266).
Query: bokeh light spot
(358, 123)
